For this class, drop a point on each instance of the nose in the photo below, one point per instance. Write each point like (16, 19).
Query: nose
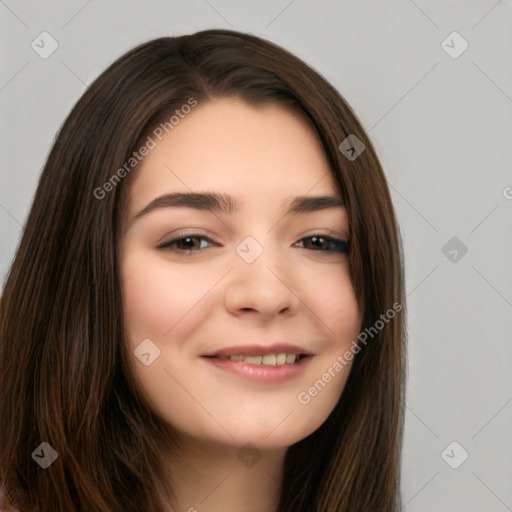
(262, 287)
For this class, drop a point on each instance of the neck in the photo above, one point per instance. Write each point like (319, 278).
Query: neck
(210, 477)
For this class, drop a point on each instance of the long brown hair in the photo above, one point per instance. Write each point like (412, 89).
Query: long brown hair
(65, 375)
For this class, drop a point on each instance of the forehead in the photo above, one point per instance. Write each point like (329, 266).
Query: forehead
(264, 152)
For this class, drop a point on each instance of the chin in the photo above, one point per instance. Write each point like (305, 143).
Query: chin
(267, 434)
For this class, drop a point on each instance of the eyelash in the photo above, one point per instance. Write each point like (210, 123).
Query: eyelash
(170, 245)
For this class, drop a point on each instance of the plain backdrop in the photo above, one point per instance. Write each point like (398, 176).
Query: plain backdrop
(441, 122)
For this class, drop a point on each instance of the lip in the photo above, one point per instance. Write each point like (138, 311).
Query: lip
(258, 372)
(258, 350)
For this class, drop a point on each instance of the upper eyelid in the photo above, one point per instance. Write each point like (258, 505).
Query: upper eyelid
(184, 234)
(179, 235)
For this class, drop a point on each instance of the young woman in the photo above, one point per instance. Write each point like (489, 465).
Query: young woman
(206, 309)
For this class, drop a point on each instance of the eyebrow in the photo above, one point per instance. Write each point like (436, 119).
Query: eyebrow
(223, 203)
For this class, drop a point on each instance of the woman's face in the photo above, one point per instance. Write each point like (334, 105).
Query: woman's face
(214, 296)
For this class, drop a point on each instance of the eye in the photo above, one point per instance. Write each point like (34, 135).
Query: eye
(324, 243)
(195, 242)
(190, 243)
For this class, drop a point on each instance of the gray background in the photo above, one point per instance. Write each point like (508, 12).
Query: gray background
(442, 127)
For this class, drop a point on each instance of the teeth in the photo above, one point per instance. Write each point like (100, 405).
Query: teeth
(253, 359)
(267, 359)
(290, 358)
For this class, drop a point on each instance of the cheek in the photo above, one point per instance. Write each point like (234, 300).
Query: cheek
(144, 310)
(339, 319)
(153, 299)
(339, 310)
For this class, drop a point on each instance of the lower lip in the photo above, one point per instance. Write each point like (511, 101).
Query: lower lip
(259, 372)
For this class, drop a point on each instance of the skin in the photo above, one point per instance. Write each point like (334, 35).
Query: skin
(190, 303)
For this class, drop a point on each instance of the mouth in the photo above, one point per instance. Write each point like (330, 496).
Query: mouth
(277, 359)
(267, 364)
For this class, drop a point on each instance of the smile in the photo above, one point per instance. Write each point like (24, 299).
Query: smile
(264, 369)
(267, 359)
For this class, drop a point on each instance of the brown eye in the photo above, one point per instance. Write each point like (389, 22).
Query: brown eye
(324, 243)
(190, 243)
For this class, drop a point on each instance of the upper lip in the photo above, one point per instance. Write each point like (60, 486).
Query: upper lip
(258, 350)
